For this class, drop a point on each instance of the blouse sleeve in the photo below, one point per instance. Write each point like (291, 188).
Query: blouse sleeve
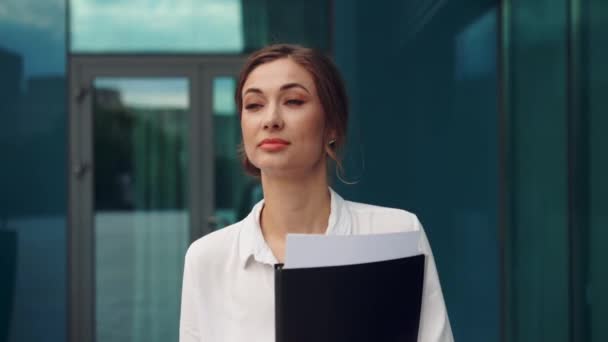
(188, 322)
(434, 321)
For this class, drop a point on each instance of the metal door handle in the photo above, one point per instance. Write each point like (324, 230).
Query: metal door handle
(80, 170)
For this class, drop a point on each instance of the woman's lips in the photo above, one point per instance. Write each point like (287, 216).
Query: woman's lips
(273, 144)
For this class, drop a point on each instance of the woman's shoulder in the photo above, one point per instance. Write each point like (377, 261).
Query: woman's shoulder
(373, 219)
(216, 245)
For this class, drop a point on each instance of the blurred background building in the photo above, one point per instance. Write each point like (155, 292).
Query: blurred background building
(119, 140)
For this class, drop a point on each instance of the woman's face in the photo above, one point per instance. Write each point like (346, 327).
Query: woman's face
(282, 119)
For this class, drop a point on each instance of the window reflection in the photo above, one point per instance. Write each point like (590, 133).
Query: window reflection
(202, 26)
(141, 216)
(159, 25)
(33, 169)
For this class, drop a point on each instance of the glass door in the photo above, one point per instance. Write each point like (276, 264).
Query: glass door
(141, 219)
(141, 185)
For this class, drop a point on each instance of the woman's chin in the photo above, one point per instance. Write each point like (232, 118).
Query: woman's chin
(290, 171)
(273, 163)
(275, 171)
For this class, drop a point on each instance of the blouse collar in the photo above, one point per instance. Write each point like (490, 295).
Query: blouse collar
(252, 243)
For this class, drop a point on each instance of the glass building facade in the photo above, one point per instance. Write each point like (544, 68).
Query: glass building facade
(33, 188)
(119, 144)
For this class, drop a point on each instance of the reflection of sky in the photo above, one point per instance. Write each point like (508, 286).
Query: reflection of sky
(149, 92)
(169, 92)
(156, 25)
(223, 96)
(36, 29)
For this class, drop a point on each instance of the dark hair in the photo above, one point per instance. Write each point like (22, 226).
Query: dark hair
(329, 84)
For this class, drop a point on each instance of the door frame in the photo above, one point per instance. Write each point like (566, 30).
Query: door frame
(200, 70)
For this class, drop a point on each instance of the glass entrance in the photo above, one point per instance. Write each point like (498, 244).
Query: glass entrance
(141, 219)
(154, 156)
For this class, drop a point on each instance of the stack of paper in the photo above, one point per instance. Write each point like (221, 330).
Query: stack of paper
(310, 250)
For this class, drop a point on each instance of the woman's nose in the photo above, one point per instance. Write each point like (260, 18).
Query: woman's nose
(273, 119)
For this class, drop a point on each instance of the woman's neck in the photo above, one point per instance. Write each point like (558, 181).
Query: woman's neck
(294, 205)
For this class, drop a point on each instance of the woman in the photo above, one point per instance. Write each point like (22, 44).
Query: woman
(293, 112)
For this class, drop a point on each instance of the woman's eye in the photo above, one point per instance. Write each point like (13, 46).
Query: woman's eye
(253, 106)
(294, 102)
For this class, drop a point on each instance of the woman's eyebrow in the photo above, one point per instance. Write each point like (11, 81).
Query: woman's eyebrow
(253, 90)
(283, 88)
(293, 85)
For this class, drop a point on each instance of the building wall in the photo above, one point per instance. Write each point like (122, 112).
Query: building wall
(554, 73)
(596, 80)
(425, 126)
(33, 170)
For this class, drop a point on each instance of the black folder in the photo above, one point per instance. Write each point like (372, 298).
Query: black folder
(376, 301)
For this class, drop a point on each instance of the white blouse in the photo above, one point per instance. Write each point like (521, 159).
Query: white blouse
(228, 284)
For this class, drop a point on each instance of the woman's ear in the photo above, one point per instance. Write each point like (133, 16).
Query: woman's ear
(330, 145)
(331, 137)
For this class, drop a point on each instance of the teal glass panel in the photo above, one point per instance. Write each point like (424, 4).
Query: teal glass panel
(537, 245)
(235, 192)
(141, 212)
(596, 284)
(204, 26)
(305, 22)
(423, 85)
(33, 172)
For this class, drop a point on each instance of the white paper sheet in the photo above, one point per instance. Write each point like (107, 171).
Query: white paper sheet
(312, 250)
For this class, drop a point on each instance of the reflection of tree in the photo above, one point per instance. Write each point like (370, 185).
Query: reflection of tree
(224, 182)
(160, 164)
(113, 154)
(139, 156)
